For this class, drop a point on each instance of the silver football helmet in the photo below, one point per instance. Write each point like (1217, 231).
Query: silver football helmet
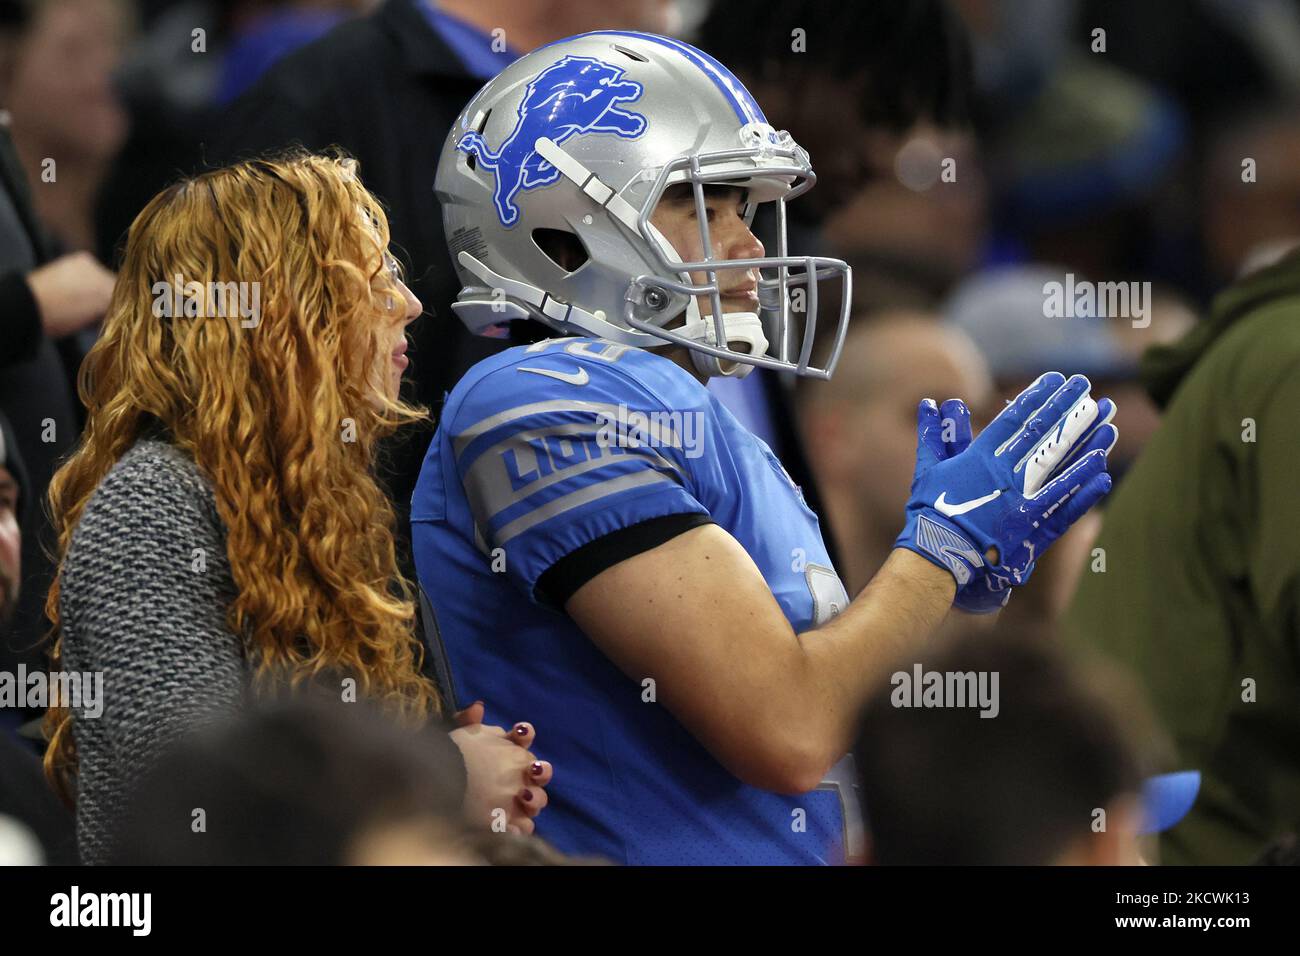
(582, 137)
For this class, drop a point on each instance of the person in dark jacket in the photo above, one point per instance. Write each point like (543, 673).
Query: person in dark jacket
(45, 299)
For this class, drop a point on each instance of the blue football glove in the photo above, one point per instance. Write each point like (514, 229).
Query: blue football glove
(943, 433)
(985, 509)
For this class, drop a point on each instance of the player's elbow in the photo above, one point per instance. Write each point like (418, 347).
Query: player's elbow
(786, 762)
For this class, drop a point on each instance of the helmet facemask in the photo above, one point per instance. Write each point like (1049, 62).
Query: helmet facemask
(775, 169)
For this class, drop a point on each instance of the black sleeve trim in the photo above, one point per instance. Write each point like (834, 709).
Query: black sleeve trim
(559, 582)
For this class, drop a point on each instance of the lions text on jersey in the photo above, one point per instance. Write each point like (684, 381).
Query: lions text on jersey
(542, 450)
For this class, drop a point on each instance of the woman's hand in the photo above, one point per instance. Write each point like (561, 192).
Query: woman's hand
(503, 776)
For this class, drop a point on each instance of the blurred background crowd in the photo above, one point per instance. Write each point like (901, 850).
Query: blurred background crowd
(968, 153)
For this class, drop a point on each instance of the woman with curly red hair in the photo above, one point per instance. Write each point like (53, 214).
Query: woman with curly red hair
(221, 529)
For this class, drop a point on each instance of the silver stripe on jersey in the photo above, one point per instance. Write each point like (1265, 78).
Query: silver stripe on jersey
(490, 489)
(576, 499)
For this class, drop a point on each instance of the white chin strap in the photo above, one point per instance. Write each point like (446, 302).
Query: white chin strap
(742, 328)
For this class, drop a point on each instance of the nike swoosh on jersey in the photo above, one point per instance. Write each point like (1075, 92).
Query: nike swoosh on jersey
(942, 506)
(580, 377)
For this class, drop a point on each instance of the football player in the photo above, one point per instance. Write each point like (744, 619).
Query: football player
(605, 546)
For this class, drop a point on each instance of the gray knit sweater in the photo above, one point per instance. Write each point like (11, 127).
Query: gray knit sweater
(145, 588)
(146, 584)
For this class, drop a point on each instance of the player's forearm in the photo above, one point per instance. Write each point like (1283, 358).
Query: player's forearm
(774, 707)
(844, 660)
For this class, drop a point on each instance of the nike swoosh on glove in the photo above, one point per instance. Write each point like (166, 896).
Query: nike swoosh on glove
(946, 432)
(1037, 468)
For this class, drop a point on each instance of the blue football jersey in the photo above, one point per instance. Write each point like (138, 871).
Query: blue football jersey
(541, 450)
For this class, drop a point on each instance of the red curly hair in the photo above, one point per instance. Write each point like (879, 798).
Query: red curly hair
(282, 417)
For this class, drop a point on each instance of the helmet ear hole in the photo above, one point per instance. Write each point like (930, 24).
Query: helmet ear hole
(563, 248)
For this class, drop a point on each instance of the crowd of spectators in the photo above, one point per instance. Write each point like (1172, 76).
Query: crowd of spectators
(970, 154)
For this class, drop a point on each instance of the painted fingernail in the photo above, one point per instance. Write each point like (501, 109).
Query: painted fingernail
(536, 768)
(521, 730)
(526, 796)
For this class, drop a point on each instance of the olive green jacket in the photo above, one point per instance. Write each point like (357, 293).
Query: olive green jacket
(1200, 593)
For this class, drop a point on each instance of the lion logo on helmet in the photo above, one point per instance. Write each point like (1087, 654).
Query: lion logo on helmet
(573, 96)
